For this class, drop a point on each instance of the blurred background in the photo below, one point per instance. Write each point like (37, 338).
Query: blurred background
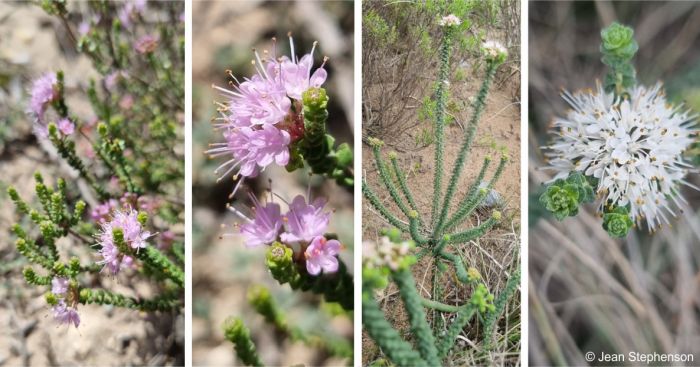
(589, 292)
(224, 269)
(32, 43)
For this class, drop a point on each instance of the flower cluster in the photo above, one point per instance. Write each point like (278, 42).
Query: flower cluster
(130, 12)
(263, 114)
(494, 51)
(450, 20)
(62, 312)
(304, 224)
(631, 145)
(386, 253)
(134, 236)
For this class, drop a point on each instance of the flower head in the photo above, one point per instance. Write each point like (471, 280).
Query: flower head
(65, 126)
(59, 286)
(146, 44)
(252, 150)
(258, 120)
(305, 221)
(633, 147)
(450, 20)
(65, 314)
(296, 74)
(494, 51)
(321, 255)
(134, 236)
(265, 227)
(44, 90)
(130, 12)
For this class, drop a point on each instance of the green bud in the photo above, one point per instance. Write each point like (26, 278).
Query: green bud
(618, 40)
(473, 275)
(51, 298)
(375, 142)
(561, 199)
(142, 218)
(53, 130)
(102, 129)
(392, 155)
(344, 155)
(583, 185)
(496, 215)
(617, 222)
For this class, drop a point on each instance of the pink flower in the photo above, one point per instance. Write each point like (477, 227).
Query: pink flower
(102, 212)
(126, 102)
(130, 12)
(44, 91)
(65, 314)
(321, 255)
(146, 44)
(296, 74)
(265, 227)
(134, 237)
(59, 286)
(305, 222)
(66, 126)
(257, 101)
(84, 28)
(252, 150)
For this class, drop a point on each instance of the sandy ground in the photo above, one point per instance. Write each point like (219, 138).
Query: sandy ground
(31, 43)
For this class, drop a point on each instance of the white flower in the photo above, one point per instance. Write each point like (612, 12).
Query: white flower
(634, 148)
(493, 49)
(450, 20)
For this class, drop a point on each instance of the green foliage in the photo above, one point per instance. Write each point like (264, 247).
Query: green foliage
(618, 48)
(317, 147)
(617, 221)
(376, 27)
(260, 298)
(237, 333)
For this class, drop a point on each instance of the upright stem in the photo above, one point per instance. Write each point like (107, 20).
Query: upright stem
(466, 145)
(441, 94)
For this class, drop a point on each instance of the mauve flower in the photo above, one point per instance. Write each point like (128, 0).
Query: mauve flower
(256, 101)
(65, 314)
(450, 20)
(65, 126)
(130, 12)
(126, 102)
(321, 255)
(59, 286)
(146, 44)
(134, 237)
(44, 90)
(102, 212)
(265, 227)
(296, 74)
(252, 150)
(84, 28)
(305, 221)
(113, 77)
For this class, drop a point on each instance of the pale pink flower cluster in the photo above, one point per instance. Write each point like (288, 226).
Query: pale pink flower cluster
(134, 236)
(304, 224)
(450, 20)
(63, 313)
(262, 114)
